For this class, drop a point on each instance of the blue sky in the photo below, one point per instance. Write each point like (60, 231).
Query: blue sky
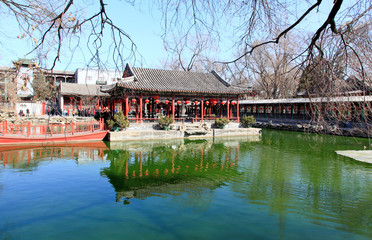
(143, 27)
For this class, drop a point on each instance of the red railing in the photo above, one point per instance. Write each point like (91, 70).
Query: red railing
(28, 129)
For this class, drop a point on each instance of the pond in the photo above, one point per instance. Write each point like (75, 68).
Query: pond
(282, 185)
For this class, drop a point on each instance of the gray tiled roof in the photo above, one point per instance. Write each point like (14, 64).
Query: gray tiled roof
(309, 100)
(177, 81)
(81, 89)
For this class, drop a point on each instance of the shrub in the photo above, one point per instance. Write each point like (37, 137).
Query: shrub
(220, 122)
(119, 121)
(247, 121)
(165, 121)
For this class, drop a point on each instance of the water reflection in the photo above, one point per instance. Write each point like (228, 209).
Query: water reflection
(145, 169)
(26, 159)
(284, 182)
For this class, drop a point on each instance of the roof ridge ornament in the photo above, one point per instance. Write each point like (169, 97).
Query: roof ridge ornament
(131, 72)
(220, 78)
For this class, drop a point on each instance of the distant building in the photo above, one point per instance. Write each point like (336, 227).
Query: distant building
(97, 76)
(84, 92)
(16, 84)
(202, 95)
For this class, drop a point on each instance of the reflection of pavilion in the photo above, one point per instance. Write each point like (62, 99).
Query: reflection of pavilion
(83, 153)
(170, 169)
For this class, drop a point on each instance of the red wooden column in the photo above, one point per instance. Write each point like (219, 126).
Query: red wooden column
(141, 106)
(196, 111)
(173, 108)
(151, 103)
(202, 109)
(81, 103)
(43, 108)
(71, 98)
(221, 108)
(228, 108)
(136, 108)
(97, 105)
(126, 106)
(237, 109)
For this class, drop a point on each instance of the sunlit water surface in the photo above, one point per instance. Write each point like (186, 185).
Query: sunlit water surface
(283, 185)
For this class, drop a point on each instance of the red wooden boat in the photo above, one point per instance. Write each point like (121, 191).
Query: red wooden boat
(11, 134)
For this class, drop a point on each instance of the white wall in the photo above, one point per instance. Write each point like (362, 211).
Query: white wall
(35, 108)
(91, 76)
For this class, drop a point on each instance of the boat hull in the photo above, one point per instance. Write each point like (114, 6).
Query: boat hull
(79, 137)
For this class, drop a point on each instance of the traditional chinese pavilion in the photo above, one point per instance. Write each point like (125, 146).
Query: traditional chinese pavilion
(143, 93)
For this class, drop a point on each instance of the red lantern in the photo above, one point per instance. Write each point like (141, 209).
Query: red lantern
(233, 103)
(187, 101)
(157, 101)
(206, 102)
(223, 102)
(166, 101)
(178, 102)
(134, 100)
(147, 101)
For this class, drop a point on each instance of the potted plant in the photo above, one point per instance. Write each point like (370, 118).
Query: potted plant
(248, 121)
(119, 122)
(165, 121)
(221, 122)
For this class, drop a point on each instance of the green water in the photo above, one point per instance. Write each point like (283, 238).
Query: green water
(283, 185)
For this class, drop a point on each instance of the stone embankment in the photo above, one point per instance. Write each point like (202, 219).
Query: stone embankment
(177, 131)
(350, 131)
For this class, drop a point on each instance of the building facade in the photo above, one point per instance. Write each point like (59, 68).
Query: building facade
(143, 94)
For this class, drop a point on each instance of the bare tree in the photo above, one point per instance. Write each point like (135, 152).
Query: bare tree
(186, 54)
(43, 88)
(333, 58)
(274, 73)
(341, 69)
(255, 23)
(55, 25)
(8, 89)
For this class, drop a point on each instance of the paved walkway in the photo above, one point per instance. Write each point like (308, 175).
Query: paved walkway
(359, 155)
